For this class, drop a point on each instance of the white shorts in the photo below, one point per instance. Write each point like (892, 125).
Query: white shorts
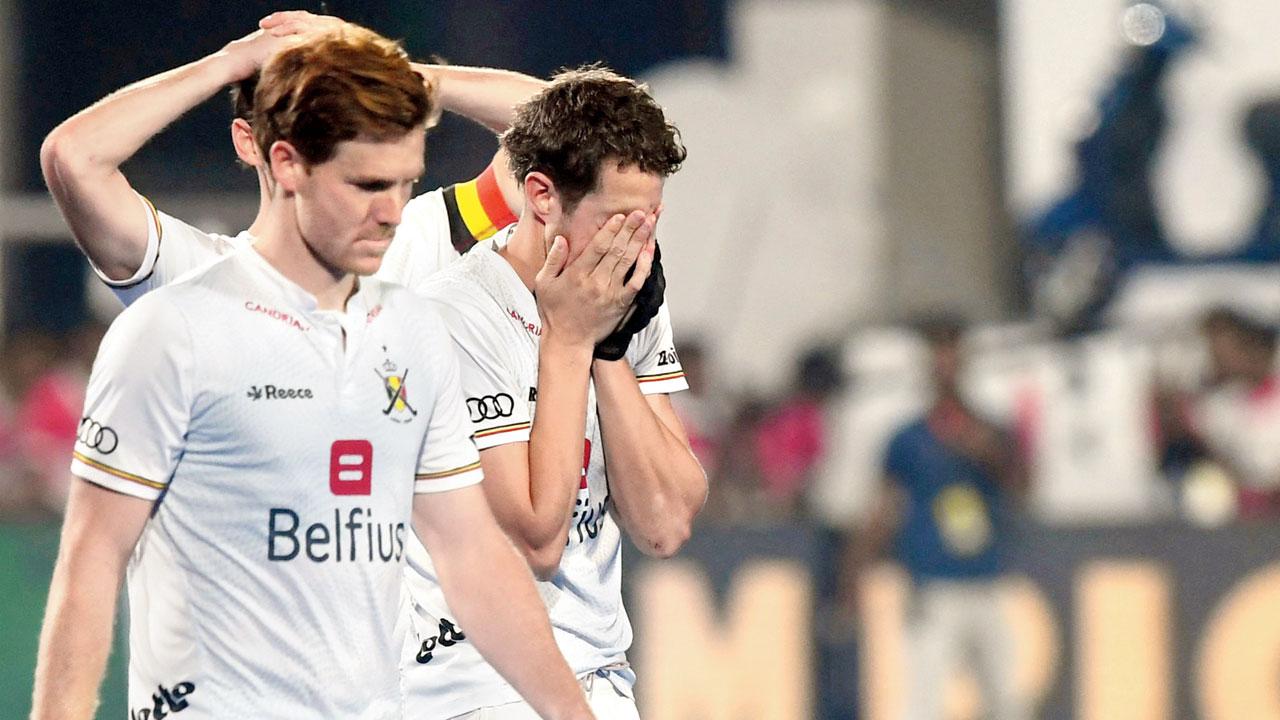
(609, 699)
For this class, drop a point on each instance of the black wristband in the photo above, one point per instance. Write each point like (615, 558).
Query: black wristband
(643, 309)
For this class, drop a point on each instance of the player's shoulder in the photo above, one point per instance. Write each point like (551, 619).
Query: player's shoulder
(159, 317)
(470, 312)
(227, 268)
(421, 245)
(167, 226)
(465, 283)
(408, 310)
(194, 281)
(203, 292)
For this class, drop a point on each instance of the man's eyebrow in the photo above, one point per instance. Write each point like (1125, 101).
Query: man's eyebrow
(387, 179)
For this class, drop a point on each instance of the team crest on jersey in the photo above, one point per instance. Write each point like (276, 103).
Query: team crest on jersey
(393, 381)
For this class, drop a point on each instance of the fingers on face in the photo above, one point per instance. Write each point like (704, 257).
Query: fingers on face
(602, 241)
(636, 245)
(555, 258)
(558, 250)
(619, 251)
(643, 265)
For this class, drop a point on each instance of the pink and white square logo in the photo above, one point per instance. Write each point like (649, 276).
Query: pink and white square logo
(351, 467)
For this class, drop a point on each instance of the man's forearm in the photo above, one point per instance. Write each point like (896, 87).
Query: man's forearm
(76, 638)
(556, 443)
(111, 131)
(484, 95)
(657, 483)
(99, 531)
(81, 159)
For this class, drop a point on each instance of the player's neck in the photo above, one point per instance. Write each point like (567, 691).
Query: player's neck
(264, 204)
(524, 250)
(281, 244)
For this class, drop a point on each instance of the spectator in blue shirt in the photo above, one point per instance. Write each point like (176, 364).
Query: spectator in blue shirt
(950, 476)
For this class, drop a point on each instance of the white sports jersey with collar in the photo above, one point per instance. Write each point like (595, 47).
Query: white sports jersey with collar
(422, 246)
(283, 462)
(174, 248)
(494, 322)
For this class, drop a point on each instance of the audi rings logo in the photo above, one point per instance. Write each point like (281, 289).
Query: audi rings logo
(96, 436)
(490, 407)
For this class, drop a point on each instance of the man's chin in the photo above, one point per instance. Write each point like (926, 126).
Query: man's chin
(365, 264)
(367, 268)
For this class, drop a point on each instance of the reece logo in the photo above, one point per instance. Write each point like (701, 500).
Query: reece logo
(271, 392)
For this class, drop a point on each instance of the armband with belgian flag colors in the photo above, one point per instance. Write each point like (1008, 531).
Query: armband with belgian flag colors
(476, 210)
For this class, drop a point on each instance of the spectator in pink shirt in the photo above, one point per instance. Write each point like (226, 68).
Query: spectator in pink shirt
(791, 439)
(1237, 417)
(49, 416)
(26, 355)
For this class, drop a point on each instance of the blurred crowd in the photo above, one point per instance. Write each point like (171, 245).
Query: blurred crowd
(1109, 425)
(42, 385)
(936, 445)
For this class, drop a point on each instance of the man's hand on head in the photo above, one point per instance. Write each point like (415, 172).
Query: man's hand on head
(251, 52)
(298, 22)
(276, 32)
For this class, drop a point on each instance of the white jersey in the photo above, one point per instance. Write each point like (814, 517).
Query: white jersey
(421, 246)
(283, 462)
(1083, 408)
(174, 248)
(494, 321)
(424, 243)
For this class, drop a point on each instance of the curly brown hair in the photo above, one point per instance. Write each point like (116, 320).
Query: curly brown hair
(583, 118)
(346, 84)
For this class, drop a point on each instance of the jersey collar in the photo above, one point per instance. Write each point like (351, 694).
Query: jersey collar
(361, 301)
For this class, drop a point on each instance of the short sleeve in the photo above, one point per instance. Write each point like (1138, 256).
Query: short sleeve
(496, 411)
(448, 459)
(137, 405)
(173, 249)
(421, 245)
(653, 357)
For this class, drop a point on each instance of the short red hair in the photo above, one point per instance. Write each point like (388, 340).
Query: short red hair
(346, 84)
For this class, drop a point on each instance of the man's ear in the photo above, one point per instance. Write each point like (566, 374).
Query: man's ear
(242, 140)
(541, 197)
(287, 166)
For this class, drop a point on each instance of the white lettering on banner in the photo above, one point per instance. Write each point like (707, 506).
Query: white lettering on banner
(1124, 656)
(752, 658)
(1239, 657)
